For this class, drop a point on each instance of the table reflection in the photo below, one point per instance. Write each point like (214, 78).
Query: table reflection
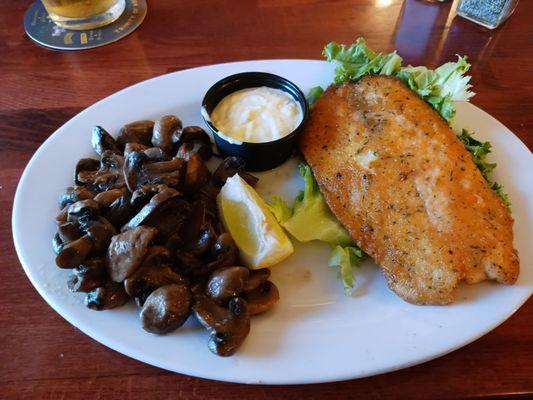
(430, 33)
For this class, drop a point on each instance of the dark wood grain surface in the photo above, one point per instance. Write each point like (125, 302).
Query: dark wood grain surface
(44, 357)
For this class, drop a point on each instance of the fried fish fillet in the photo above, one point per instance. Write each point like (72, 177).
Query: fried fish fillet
(409, 193)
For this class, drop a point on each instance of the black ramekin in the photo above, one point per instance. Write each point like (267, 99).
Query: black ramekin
(258, 156)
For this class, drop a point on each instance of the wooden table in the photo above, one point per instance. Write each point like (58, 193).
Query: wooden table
(42, 356)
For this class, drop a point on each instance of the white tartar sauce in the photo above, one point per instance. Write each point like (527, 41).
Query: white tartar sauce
(257, 115)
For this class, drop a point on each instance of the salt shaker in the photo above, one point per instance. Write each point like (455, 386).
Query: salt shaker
(489, 13)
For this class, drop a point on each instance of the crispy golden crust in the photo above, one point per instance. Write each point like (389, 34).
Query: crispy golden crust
(404, 186)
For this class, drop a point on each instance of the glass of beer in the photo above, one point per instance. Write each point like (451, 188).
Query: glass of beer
(84, 14)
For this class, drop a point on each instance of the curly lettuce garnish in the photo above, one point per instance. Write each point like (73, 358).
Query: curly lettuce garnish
(439, 87)
(358, 60)
(314, 94)
(479, 151)
(311, 219)
(346, 258)
(499, 191)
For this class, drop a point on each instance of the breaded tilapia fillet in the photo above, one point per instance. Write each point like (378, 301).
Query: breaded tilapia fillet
(407, 190)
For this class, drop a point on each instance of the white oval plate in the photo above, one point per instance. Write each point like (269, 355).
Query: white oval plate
(316, 333)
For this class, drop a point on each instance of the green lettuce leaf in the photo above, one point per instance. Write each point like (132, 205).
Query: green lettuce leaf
(479, 151)
(358, 60)
(499, 191)
(310, 217)
(452, 79)
(439, 87)
(314, 94)
(345, 258)
(280, 209)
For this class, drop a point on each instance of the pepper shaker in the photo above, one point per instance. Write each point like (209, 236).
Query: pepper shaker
(489, 13)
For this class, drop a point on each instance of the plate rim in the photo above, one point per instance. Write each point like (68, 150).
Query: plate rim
(143, 357)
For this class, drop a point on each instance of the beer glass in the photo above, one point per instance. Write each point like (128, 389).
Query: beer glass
(84, 14)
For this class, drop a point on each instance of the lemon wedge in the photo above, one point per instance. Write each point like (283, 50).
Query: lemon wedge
(258, 235)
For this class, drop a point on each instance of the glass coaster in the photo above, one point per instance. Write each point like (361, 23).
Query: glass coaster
(42, 30)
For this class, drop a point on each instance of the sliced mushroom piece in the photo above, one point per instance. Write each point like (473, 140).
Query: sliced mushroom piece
(262, 298)
(168, 218)
(61, 218)
(226, 283)
(111, 160)
(136, 132)
(164, 128)
(100, 232)
(184, 150)
(209, 192)
(154, 272)
(166, 211)
(74, 253)
(140, 300)
(68, 232)
(57, 244)
(223, 260)
(87, 276)
(155, 154)
(166, 309)
(197, 289)
(226, 169)
(197, 234)
(163, 167)
(190, 231)
(142, 195)
(163, 173)
(224, 251)
(191, 134)
(126, 252)
(229, 167)
(120, 211)
(102, 141)
(174, 243)
(151, 153)
(83, 211)
(157, 255)
(190, 265)
(105, 297)
(85, 164)
(147, 279)
(108, 176)
(131, 147)
(73, 194)
(133, 167)
(213, 216)
(193, 139)
(227, 327)
(204, 240)
(155, 202)
(248, 178)
(256, 278)
(105, 199)
(138, 170)
(196, 174)
(204, 150)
